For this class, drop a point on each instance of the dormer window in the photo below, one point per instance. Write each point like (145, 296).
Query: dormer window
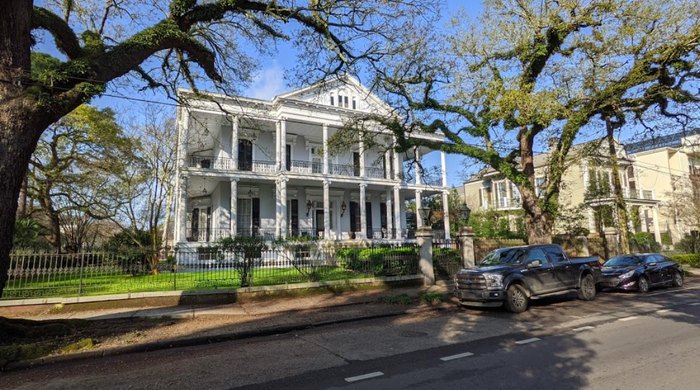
(332, 100)
(340, 100)
(346, 101)
(354, 103)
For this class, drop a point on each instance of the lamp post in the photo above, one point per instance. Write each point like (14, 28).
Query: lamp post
(424, 215)
(465, 212)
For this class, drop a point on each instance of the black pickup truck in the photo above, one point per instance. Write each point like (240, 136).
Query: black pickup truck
(514, 275)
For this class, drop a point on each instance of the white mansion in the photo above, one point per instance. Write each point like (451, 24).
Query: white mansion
(249, 167)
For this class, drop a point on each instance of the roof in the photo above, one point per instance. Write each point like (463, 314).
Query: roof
(674, 140)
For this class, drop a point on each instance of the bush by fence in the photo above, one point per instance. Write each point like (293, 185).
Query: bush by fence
(691, 259)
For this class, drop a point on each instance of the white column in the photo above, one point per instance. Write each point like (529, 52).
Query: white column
(397, 173)
(362, 158)
(363, 211)
(181, 214)
(657, 232)
(443, 168)
(283, 145)
(234, 143)
(645, 221)
(278, 131)
(446, 213)
(418, 169)
(183, 134)
(233, 208)
(325, 149)
(283, 208)
(419, 202)
(326, 210)
(389, 220)
(397, 213)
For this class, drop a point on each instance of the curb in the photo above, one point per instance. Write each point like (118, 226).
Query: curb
(195, 341)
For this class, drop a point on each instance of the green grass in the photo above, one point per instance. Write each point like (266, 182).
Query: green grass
(95, 283)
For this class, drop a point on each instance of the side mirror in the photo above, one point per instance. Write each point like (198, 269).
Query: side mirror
(534, 264)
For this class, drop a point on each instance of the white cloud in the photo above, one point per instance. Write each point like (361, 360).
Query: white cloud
(267, 83)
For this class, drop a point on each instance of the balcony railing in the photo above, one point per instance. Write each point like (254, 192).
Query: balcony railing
(508, 203)
(297, 166)
(638, 194)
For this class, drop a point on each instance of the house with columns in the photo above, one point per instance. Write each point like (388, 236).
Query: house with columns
(251, 167)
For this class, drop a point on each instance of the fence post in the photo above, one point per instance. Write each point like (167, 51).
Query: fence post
(424, 238)
(613, 242)
(466, 236)
(80, 286)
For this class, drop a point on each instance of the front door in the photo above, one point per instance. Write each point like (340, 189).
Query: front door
(354, 219)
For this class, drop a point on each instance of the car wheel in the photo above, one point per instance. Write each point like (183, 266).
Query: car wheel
(677, 279)
(643, 284)
(516, 299)
(587, 288)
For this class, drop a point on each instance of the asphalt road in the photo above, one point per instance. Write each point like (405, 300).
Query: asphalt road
(619, 341)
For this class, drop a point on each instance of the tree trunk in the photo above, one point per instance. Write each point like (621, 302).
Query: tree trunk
(21, 120)
(620, 204)
(539, 223)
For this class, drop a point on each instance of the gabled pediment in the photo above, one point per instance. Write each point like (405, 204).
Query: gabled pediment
(342, 92)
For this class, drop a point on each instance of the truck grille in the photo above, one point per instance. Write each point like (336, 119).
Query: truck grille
(469, 281)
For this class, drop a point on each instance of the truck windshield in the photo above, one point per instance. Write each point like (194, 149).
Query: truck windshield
(504, 256)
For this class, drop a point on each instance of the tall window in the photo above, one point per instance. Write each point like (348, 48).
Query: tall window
(332, 100)
(245, 155)
(354, 104)
(288, 156)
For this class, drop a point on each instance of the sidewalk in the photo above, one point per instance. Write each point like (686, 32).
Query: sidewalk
(128, 330)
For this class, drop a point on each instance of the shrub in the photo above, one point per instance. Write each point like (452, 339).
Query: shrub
(691, 259)
(688, 244)
(645, 242)
(380, 261)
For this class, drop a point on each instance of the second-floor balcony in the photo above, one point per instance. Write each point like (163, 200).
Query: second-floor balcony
(297, 166)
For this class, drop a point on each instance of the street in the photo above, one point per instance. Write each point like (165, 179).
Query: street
(620, 340)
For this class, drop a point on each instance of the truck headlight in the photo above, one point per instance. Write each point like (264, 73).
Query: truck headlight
(494, 280)
(627, 275)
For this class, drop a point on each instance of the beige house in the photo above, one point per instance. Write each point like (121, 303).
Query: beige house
(654, 175)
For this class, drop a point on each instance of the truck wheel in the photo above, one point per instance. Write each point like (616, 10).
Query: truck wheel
(586, 290)
(516, 299)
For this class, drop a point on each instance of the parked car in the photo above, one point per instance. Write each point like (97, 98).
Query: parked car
(514, 275)
(640, 272)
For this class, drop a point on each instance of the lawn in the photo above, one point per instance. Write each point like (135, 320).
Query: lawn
(118, 282)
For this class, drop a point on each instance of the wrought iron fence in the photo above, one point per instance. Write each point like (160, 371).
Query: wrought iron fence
(447, 258)
(34, 275)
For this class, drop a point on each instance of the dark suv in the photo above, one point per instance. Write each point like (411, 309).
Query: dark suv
(514, 275)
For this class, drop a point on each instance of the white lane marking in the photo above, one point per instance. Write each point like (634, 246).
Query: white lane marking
(662, 311)
(673, 291)
(528, 341)
(695, 304)
(630, 318)
(364, 376)
(581, 329)
(457, 356)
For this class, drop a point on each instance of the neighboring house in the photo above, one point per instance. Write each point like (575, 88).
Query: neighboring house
(249, 167)
(586, 183)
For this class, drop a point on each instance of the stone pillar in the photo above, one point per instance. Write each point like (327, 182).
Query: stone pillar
(181, 214)
(389, 220)
(581, 243)
(397, 214)
(591, 222)
(613, 242)
(233, 208)
(446, 214)
(655, 216)
(234, 143)
(466, 237)
(363, 211)
(326, 210)
(424, 238)
(325, 149)
(419, 204)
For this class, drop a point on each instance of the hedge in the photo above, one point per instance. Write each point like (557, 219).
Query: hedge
(691, 259)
